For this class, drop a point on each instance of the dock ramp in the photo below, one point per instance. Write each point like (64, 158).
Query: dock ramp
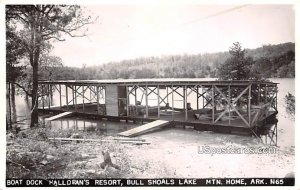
(144, 128)
(58, 116)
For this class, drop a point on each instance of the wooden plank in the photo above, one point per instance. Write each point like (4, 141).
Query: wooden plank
(77, 139)
(58, 116)
(125, 141)
(134, 142)
(144, 128)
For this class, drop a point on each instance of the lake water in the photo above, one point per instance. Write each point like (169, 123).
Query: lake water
(285, 127)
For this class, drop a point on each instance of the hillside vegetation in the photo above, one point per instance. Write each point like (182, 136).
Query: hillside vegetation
(276, 61)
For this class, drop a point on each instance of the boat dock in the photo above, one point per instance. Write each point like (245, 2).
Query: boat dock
(220, 106)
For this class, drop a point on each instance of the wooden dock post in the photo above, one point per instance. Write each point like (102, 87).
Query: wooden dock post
(167, 94)
(67, 101)
(265, 94)
(60, 104)
(203, 105)
(43, 97)
(185, 102)
(276, 100)
(147, 111)
(183, 96)
(73, 97)
(229, 110)
(172, 103)
(83, 99)
(158, 106)
(213, 104)
(51, 95)
(135, 96)
(258, 94)
(97, 89)
(75, 94)
(127, 101)
(49, 104)
(90, 93)
(249, 105)
(197, 98)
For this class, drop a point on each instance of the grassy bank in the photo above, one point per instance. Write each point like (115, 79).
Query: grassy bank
(31, 155)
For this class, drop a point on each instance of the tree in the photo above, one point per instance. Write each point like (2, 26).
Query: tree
(238, 66)
(14, 71)
(36, 26)
(50, 67)
(290, 104)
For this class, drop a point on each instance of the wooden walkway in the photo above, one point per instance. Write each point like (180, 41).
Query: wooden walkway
(144, 128)
(58, 116)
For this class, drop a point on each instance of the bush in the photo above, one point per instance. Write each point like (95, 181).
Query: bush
(290, 104)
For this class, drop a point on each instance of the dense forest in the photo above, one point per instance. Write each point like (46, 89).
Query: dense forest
(276, 61)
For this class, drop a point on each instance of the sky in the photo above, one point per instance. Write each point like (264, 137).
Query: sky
(132, 31)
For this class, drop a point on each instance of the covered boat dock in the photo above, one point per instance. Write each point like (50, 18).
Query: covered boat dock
(208, 105)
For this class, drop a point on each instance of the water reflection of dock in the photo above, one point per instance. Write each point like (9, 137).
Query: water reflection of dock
(221, 106)
(268, 134)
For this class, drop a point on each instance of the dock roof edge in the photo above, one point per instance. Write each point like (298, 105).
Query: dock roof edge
(160, 81)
